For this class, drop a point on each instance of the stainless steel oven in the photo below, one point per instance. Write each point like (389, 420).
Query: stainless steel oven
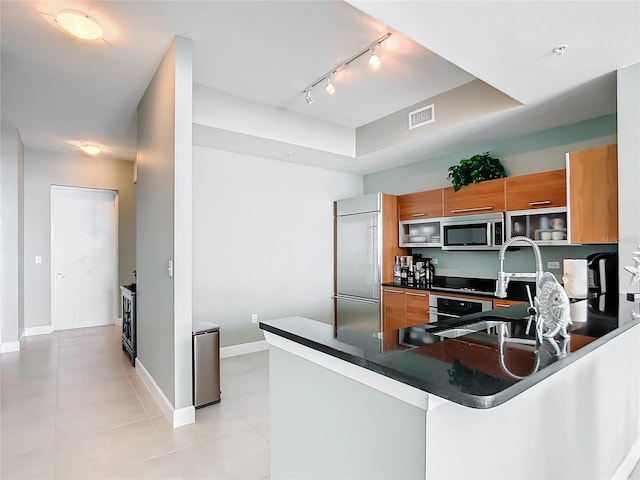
(442, 307)
(473, 232)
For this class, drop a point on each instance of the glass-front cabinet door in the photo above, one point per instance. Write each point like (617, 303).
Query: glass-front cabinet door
(420, 233)
(546, 226)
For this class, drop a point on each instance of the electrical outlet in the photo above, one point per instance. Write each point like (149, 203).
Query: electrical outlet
(254, 318)
(38, 259)
(434, 261)
(553, 265)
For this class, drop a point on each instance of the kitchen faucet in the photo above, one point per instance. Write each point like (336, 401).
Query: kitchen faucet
(504, 277)
(550, 307)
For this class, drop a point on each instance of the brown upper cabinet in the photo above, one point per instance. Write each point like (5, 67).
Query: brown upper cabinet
(593, 195)
(536, 190)
(419, 205)
(484, 197)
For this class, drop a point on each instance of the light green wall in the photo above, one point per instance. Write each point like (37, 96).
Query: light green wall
(11, 235)
(164, 225)
(521, 155)
(484, 264)
(359, 432)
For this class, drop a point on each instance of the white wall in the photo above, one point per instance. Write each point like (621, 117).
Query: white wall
(164, 225)
(11, 237)
(44, 168)
(628, 170)
(262, 240)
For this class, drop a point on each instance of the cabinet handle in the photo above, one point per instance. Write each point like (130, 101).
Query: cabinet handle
(392, 291)
(502, 305)
(477, 209)
(543, 202)
(418, 214)
(416, 294)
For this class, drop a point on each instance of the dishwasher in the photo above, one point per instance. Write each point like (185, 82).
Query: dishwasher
(206, 363)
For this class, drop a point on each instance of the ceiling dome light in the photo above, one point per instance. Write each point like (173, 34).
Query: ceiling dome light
(329, 87)
(90, 149)
(79, 24)
(374, 60)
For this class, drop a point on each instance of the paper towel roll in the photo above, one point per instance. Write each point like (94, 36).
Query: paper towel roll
(575, 277)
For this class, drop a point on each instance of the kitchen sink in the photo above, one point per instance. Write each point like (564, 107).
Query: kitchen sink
(470, 328)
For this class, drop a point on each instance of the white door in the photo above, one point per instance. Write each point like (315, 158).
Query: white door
(84, 285)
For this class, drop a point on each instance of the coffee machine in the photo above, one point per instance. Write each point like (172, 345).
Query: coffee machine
(602, 272)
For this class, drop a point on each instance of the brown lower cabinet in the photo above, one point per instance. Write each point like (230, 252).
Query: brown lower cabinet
(501, 303)
(404, 307)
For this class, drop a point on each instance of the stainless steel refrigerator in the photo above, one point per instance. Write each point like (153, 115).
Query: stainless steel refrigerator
(358, 263)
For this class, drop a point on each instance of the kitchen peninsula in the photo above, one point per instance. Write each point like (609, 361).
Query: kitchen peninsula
(345, 405)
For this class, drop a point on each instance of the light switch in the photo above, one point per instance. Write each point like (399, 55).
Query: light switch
(38, 259)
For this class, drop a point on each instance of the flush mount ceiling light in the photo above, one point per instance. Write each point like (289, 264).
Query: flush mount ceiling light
(90, 149)
(374, 61)
(79, 24)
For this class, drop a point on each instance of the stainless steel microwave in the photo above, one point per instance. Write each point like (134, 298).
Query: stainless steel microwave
(473, 232)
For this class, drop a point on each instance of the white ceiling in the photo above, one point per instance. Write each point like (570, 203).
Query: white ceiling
(60, 92)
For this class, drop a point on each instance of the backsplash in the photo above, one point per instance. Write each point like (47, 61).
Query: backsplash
(484, 264)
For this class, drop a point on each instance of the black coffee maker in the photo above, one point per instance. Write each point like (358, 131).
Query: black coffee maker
(602, 272)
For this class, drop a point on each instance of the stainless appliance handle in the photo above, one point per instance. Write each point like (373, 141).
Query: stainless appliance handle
(476, 209)
(355, 299)
(490, 234)
(435, 312)
(376, 261)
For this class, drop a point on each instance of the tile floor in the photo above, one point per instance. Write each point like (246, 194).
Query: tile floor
(73, 407)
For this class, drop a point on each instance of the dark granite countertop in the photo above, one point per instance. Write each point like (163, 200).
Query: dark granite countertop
(465, 370)
(483, 287)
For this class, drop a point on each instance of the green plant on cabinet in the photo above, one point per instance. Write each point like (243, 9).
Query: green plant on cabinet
(476, 169)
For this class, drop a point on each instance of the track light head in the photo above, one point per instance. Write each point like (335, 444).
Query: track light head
(374, 60)
(330, 87)
(308, 97)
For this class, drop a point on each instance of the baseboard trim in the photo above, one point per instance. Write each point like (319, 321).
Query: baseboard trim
(39, 330)
(8, 347)
(629, 462)
(176, 417)
(243, 348)
(184, 416)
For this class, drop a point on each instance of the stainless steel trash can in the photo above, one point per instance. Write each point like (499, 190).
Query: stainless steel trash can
(206, 364)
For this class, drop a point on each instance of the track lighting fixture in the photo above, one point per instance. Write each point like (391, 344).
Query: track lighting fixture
(330, 87)
(374, 62)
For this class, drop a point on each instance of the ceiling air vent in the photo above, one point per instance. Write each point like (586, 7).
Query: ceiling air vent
(421, 117)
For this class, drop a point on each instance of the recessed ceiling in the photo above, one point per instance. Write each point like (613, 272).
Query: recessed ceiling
(61, 92)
